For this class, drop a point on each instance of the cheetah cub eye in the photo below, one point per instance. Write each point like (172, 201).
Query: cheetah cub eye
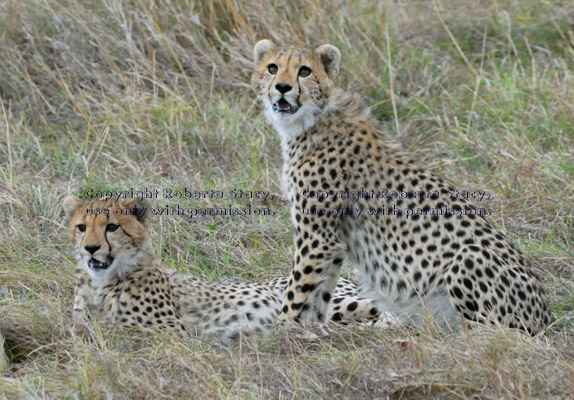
(272, 68)
(304, 72)
(112, 227)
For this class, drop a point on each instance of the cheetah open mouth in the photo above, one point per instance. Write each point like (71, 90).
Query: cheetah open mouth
(97, 264)
(283, 106)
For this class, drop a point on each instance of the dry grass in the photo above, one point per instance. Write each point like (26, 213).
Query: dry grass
(119, 94)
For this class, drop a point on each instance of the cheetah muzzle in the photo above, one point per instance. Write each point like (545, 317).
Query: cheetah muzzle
(283, 106)
(94, 263)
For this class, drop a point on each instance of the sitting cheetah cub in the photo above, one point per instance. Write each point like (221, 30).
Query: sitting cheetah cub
(120, 281)
(420, 251)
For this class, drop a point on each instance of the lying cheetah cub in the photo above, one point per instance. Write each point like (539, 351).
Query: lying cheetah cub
(120, 281)
(418, 252)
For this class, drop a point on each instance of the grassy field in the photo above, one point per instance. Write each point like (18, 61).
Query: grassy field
(132, 94)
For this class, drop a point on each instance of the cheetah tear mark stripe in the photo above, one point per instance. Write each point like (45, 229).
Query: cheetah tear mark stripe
(270, 86)
(108, 242)
(298, 100)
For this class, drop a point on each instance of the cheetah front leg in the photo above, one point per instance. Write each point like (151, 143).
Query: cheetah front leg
(79, 312)
(318, 260)
(83, 296)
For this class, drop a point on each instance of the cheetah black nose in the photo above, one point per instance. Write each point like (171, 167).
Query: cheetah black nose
(92, 248)
(283, 87)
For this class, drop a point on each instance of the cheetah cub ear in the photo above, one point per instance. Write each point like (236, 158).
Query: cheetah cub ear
(261, 49)
(71, 204)
(330, 57)
(139, 208)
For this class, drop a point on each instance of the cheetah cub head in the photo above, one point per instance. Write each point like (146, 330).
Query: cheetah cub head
(293, 84)
(109, 235)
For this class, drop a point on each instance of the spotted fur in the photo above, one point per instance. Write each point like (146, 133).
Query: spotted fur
(120, 281)
(450, 265)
